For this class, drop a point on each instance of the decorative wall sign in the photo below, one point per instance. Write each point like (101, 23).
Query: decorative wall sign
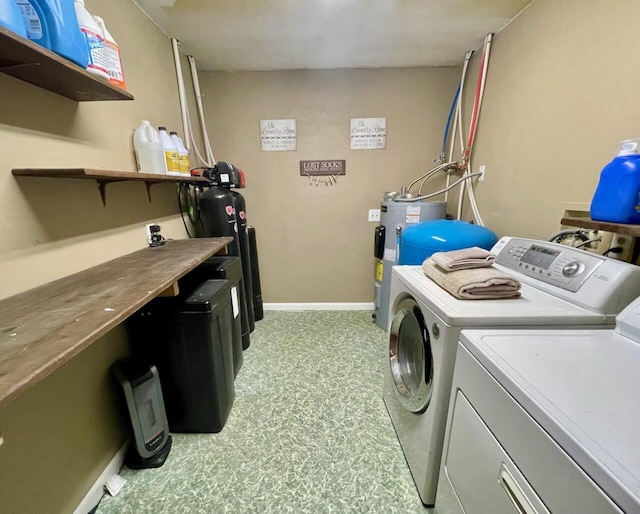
(368, 133)
(278, 135)
(323, 168)
(328, 170)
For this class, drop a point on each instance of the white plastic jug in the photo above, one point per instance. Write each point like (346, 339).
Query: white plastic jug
(148, 148)
(111, 55)
(95, 43)
(183, 154)
(170, 152)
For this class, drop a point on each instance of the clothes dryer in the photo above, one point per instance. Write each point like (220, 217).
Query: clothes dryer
(562, 287)
(544, 419)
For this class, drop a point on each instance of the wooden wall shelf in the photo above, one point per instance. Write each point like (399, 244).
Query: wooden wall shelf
(618, 228)
(43, 328)
(32, 63)
(104, 177)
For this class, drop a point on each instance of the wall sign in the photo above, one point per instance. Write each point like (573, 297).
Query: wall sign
(278, 135)
(368, 133)
(323, 168)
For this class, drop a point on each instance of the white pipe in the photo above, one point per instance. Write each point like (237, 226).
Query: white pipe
(181, 92)
(461, 129)
(203, 124)
(203, 160)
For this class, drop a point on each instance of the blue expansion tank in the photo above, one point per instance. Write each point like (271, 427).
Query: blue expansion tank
(417, 242)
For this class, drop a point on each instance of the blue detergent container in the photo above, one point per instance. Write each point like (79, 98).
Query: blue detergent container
(417, 242)
(11, 17)
(53, 24)
(617, 197)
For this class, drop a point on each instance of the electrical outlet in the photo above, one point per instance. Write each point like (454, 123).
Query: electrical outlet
(374, 214)
(481, 169)
(626, 243)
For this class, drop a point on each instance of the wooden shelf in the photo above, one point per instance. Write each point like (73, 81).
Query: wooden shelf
(619, 228)
(43, 328)
(104, 177)
(32, 63)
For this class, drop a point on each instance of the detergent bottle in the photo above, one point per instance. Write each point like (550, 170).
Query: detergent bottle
(112, 55)
(148, 149)
(11, 18)
(183, 154)
(94, 43)
(170, 152)
(617, 197)
(53, 24)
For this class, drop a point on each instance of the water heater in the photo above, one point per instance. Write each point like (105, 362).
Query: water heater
(394, 217)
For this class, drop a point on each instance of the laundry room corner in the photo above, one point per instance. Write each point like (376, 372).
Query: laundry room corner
(327, 224)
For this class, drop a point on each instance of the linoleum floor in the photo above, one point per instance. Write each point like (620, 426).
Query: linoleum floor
(308, 433)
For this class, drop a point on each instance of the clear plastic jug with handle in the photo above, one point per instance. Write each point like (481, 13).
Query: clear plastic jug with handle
(148, 148)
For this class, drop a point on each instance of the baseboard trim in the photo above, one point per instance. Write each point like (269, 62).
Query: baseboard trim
(92, 498)
(318, 306)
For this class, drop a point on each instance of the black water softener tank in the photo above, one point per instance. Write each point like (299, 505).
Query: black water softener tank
(255, 274)
(218, 216)
(215, 205)
(243, 238)
(248, 248)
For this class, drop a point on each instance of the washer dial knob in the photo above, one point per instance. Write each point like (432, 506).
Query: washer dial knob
(573, 269)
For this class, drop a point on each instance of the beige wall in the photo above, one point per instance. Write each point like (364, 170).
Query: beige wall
(562, 91)
(60, 435)
(51, 228)
(315, 242)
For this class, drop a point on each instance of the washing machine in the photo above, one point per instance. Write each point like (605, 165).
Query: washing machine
(544, 421)
(562, 287)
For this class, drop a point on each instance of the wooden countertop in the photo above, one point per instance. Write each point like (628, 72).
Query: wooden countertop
(41, 329)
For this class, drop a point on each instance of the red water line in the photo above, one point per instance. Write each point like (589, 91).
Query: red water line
(476, 106)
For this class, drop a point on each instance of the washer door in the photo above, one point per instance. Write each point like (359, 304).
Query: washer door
(410, 357)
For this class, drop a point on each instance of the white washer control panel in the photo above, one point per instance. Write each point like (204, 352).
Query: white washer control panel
(560, 265)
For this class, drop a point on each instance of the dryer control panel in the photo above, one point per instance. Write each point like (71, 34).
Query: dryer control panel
(555, 264)
(592, 281)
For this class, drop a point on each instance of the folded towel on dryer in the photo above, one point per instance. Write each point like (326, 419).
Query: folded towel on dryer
(465, 258)
(473, 284)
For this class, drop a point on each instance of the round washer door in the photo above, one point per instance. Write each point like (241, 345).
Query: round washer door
(410, 357)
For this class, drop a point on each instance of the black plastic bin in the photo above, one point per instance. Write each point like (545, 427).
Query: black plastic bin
(189, 339)
(228, 268)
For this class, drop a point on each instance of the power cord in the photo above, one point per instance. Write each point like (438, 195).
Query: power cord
(180, 186)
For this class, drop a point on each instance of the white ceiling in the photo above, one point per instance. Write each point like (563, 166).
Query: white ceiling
(233, 35)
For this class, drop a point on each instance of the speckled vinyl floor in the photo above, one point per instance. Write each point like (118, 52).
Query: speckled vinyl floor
(308, 432)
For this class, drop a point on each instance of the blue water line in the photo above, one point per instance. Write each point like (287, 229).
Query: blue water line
(446, 130)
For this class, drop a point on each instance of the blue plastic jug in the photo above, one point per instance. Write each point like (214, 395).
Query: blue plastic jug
(11, 18)
(53, 24)
(617, 197)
